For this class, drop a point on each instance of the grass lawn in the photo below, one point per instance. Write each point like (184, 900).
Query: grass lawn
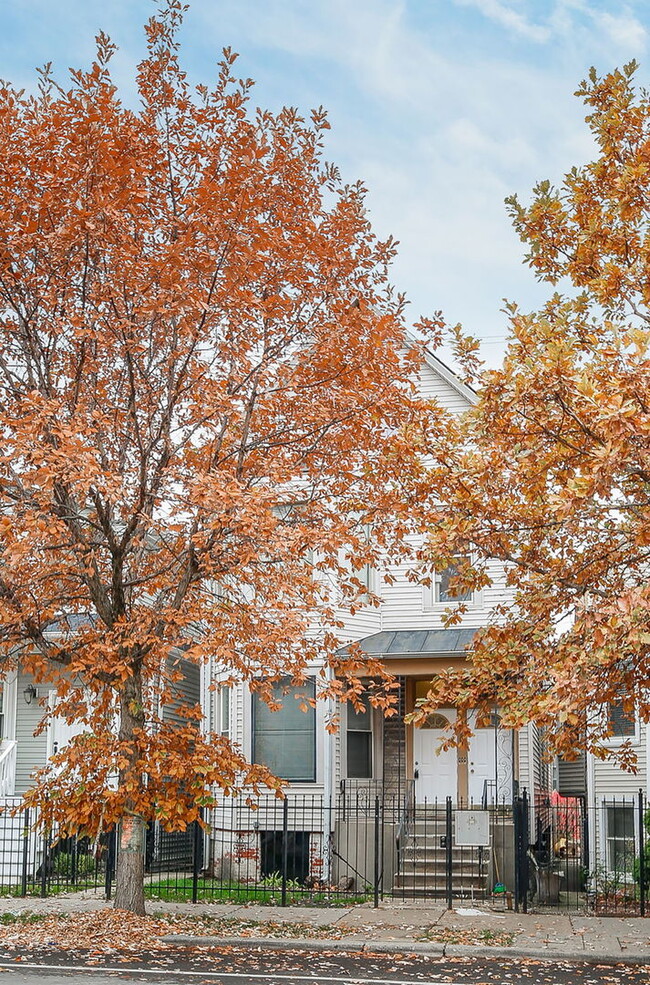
(180, 890)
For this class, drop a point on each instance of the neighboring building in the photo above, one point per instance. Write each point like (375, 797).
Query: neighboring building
(608, 796)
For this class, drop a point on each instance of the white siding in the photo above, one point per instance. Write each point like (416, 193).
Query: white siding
(402, 603)
(433, 385)
(31, 750)
(611, 781)
(610, 785)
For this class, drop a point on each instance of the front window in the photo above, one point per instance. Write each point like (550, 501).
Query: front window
(619, 828)
(359, 741)
(285, 740)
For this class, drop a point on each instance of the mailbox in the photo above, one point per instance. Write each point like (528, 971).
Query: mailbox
(473, 828)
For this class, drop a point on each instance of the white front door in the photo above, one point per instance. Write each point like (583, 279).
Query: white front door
(60, 732)
(482, 764)
(436, 771)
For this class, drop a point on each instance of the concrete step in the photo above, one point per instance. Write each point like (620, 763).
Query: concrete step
(439, 861)
(430, 847)
(436, 893)
(427, 884)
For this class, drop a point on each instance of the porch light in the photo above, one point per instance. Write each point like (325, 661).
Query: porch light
(29, 694)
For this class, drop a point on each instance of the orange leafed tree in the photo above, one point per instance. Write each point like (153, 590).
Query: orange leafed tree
(550, 472)
(204, 396)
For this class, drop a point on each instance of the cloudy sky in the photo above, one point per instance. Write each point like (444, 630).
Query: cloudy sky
(443, 107)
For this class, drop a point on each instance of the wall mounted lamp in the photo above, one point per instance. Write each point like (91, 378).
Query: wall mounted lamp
(29, 694)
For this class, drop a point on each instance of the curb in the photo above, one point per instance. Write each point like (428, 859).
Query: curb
(408, 947)
(307, 944)
(546, 954)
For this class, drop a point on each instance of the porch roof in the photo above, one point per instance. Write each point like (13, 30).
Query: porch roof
(416, 642)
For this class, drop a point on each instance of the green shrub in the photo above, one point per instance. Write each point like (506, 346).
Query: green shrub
(62, 865)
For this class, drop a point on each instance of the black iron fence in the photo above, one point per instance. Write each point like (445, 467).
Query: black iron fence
(35, 861)
(364, 845)
(589, 858)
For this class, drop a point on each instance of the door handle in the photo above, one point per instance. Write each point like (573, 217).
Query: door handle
(416, 774)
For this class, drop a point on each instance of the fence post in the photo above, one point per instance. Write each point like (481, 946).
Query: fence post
(642, 872)
(524, 835)
(44, 864)
(196, 860)
(110, 861)
(377, 854)
(73, 860)
(285, 849)
(23, 881)
(449, 853)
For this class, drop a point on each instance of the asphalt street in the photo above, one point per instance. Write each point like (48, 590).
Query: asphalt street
(256, 966)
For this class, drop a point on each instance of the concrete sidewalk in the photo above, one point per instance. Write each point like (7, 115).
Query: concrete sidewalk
(395, 926)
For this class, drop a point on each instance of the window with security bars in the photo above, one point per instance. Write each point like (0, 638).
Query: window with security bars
(285, 739)
(359, 741)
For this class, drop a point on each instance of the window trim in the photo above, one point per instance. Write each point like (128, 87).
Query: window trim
(371, 731)
(430, 601)
(223, 704)
(376, 746)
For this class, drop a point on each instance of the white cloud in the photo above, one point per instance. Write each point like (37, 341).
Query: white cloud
(504, 15)
(623, 30)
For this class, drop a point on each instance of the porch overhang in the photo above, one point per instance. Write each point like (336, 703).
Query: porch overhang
(417, 652)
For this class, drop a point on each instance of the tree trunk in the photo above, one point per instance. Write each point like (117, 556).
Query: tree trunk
(129, 881)
(129, 876)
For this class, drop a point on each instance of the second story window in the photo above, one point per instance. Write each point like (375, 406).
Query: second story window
(621, 722)
(444, 588)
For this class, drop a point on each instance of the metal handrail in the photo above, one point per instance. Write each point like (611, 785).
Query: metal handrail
(404, 825)
(7, 767)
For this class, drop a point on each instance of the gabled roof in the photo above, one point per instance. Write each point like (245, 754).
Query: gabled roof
(449, 376)
(444, 371)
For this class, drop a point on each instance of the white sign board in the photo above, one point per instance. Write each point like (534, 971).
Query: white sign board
(473, 828)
